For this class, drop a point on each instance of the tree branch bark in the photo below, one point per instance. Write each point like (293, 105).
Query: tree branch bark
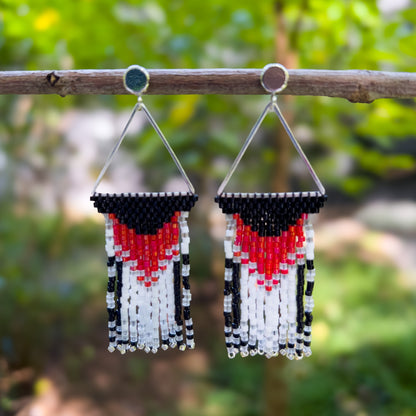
(357, 86)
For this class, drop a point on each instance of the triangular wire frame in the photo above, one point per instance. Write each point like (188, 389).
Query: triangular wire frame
(271, 107)
(140, 106)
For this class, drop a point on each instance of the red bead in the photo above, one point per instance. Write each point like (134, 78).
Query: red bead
(132, 238)
(124, 241)
(245, 245)
(116, 231)
(167, 235)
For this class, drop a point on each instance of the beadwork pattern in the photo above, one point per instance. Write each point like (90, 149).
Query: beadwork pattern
(148, 293)
(268, 242)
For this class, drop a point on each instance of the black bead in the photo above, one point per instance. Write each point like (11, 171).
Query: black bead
(308, 318)
(228, 263)
(185, 282)
(309, 288)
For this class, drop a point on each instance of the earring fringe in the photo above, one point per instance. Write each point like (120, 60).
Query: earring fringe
(268, 242)
(147, 240)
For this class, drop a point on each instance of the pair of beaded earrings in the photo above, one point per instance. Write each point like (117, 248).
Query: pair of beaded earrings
(268, 243)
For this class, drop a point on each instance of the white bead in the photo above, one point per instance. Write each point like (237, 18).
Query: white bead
(228, 249)
(184, 248)
(307, 351)
(310, 275)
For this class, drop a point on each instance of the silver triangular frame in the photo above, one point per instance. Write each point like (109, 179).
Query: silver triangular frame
(271, 107)
(141, 107)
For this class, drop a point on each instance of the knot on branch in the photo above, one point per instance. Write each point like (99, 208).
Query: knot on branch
(361, 95)
(52, 78)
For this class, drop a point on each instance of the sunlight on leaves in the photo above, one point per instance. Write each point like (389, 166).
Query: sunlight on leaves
(46, 20)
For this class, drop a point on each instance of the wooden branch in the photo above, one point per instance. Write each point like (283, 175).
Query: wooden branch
(358, 86)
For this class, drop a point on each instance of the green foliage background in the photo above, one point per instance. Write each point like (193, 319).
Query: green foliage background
(46, 262)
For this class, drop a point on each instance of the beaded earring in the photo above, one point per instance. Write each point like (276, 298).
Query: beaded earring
(268, 242)
(147, 244)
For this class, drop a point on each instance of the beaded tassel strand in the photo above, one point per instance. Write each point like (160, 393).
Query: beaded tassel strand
(310, 279)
